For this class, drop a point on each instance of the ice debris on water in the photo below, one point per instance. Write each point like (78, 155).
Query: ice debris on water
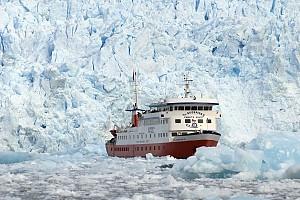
(64, 75)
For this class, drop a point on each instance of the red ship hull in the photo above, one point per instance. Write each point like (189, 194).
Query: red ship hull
(182, 149)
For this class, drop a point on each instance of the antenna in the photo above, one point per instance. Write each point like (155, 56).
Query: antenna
(186, 85)
(135, 85)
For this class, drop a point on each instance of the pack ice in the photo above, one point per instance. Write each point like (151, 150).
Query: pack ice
(65, 67)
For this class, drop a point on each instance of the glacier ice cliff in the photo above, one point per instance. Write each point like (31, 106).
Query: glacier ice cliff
(65, 65)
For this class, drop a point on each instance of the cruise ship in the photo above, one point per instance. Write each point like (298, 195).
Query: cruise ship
(173, 126)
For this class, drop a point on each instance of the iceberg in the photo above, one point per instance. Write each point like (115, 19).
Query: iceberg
(270, 155)
(14, 157)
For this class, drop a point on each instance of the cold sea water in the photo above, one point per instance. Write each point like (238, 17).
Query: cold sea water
(93, 175)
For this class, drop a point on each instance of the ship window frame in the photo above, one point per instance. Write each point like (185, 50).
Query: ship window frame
(209, 107)
(205, 108)
(187, 120)
(187, 107)
(171, 108)
(200, 121)
(200, 107)
(180, 107)
(177, 121)
(194, 108)
(175, 107)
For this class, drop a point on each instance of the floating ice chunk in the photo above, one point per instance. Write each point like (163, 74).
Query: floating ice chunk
(270, 155)
(146, 197)
(149, 156)
(14, 157)
(142, 197)
(221, 162)
(293, 172)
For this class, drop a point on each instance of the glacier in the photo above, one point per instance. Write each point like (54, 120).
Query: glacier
(66, 65)
(65, 68)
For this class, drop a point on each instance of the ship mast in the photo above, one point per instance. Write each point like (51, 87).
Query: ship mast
(135, 114)
(135, 90)
(187, 90)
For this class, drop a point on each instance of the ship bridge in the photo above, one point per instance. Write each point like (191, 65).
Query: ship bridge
(189, 103)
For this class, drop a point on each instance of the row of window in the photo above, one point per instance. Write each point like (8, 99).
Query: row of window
(171, 108)
(178, 121)
(146, 148)
(154, 121)
(191, 108)
(125, 137)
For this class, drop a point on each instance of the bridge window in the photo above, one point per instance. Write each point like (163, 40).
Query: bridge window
(205, 107)
(200, 107)
(194, 107)
(208, 120)
(177, 121)
(188, 108)
(180, 107)
(171, 108)
(175, 108)
(209, 107)
(200, 120)
(187, 120)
